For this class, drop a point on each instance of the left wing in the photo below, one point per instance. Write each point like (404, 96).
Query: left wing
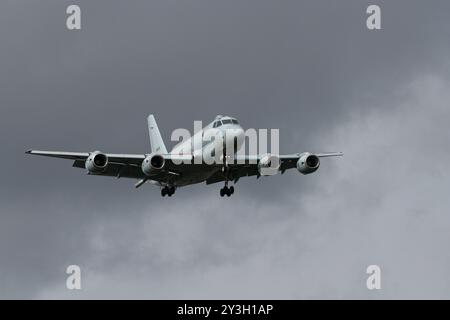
(290, 160)
(247, 165)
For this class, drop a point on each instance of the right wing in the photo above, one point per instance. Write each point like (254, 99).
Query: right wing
(120, 165)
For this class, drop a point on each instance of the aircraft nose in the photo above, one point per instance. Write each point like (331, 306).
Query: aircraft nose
(238, 132)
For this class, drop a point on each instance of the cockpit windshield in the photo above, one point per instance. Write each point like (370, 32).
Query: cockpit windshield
(218, 123)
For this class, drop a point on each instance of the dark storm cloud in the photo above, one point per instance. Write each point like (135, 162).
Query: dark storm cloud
(310, 68)
(386, 211)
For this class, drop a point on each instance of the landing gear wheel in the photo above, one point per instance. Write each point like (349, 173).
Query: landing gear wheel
(169, 191)
(228, 191)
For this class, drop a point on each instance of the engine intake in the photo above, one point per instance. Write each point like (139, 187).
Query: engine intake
(96, 162)
(153, 163)
(308, 163)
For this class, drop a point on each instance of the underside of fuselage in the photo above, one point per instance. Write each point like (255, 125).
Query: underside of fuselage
(192, 175)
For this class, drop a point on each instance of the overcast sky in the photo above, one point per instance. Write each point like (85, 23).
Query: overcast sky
(309, 68)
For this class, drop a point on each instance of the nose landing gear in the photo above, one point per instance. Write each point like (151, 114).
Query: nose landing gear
(225, 169)
(167, 190)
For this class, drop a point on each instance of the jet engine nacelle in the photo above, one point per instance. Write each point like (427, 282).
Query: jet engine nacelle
(268, 165)
(308, 163)
(96, 162)
(153, 163)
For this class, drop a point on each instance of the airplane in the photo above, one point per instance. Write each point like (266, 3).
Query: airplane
(177, 169)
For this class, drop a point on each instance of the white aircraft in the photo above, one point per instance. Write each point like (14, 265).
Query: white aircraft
(179, 168)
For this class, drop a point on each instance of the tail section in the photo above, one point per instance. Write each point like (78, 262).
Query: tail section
(156, 141)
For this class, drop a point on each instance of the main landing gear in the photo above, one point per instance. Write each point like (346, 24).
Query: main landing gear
(226, 191)
(167, 190)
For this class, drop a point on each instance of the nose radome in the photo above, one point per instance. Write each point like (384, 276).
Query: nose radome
(239, 132)
(238, 128)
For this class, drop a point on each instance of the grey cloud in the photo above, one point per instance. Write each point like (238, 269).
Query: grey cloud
(309, 68)
(376, 207)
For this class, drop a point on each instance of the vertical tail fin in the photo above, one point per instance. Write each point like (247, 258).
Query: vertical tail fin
(156, 141)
